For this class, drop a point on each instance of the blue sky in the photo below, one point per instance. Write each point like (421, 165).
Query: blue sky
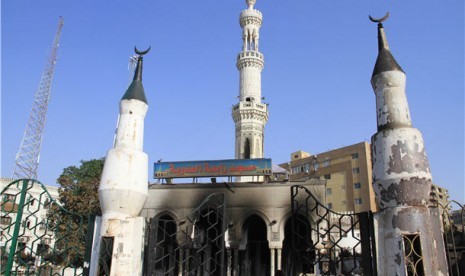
(319, 56)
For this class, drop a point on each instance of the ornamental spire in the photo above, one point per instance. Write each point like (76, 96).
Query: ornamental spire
(385, 61)
(250, 3)
(136, 90)
(138, 72)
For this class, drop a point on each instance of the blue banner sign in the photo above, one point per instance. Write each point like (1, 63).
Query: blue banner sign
(217, 168)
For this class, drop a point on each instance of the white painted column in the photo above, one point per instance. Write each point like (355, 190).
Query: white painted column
(236, 262)
(181, 253)
(229, 262)
(272, 255)
(187, 260)
(279, 258)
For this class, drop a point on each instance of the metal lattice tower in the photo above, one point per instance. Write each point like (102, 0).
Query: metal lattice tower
(27, 159)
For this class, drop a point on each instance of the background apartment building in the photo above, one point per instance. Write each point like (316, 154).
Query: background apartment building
(347, 171)
(439, 196)
(33, 233)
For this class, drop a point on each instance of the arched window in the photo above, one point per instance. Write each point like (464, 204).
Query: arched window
(247, 149)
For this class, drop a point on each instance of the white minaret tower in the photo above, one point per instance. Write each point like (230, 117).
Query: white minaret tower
(250, 114)
(123, 188)
(408, 231)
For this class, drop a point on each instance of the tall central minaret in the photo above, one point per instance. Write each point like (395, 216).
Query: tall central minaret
(250, 114)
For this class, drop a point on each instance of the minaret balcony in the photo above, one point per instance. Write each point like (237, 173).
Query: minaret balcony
(251, 54)
(251, 105)
(253, 13)
(250, 115)
(250, 59)
(250, 111)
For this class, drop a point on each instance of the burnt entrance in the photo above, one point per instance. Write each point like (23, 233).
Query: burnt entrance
(189, 246)
(254, 253)
(298, 252)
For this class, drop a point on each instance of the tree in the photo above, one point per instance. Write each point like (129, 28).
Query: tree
(79, 187)
(78, 201)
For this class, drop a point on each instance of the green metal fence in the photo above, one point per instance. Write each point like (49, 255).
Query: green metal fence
(38, 236)
(453, 219)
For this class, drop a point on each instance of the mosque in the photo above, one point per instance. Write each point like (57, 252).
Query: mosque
(239, 227)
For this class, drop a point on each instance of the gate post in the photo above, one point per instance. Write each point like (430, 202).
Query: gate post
(89, 243)
(19, 217)
(367, 236)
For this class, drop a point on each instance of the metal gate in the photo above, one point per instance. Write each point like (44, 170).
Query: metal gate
(453, 219)
(33, 239)
(329, 243)
(190, 246)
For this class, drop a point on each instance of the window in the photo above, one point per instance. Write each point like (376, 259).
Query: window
(42, 249)
(330, 206)
(47, 204)
(358, 201)
(300, 169)
(106, 251)
(356, 170)
(21, 246)
(355, 155)
(316, 166)
(413, 255)
(328, 176)
(328, 191)
(326, 163)
(9, 197)
(247, 149)
(6, 220)
(357, 185)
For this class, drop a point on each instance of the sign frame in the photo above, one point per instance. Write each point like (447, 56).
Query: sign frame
(213, 168)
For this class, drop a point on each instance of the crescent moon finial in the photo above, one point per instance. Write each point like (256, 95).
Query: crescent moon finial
(379, 20)
(141, 53)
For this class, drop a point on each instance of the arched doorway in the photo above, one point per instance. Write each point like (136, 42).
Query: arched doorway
(298, 255)
(254, 254)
